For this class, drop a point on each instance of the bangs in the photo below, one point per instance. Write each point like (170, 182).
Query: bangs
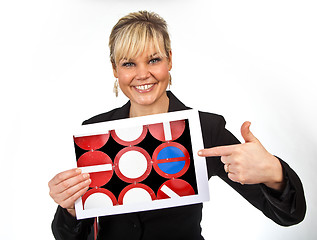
(134, 40)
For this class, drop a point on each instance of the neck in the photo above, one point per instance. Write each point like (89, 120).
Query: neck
(160, 106)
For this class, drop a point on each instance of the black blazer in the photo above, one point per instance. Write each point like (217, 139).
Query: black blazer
(285, 208)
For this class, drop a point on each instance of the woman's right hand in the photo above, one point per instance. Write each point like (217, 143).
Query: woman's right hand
(66, 187)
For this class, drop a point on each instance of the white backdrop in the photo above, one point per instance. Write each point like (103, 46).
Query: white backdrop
(247, 60)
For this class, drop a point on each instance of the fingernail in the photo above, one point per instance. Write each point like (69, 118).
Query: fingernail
(200, 153)
(78, 170)
(86, 175)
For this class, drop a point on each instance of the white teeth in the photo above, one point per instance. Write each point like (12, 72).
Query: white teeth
(144, 87)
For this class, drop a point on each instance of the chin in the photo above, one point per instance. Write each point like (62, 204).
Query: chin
(146, 101)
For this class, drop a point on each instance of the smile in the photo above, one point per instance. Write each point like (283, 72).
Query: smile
(144, 87)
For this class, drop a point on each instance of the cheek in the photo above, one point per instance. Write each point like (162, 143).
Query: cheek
(125, 76)
(162, 73)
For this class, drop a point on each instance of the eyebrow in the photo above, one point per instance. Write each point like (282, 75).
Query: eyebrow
(150, 56)
(153, 55)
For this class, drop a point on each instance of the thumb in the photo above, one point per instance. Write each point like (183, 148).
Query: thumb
(246, 133)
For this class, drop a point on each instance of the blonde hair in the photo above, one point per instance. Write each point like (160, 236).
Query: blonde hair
(135, 33)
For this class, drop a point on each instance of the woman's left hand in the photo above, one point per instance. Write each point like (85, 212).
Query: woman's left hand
(249, 162)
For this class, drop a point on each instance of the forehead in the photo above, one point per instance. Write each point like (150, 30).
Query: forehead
(144, 47)
(147, 53)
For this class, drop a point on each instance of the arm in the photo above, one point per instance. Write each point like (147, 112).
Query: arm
(286, 207)
(249, 163)
(67, 227)
(265, 181)
(65, 188)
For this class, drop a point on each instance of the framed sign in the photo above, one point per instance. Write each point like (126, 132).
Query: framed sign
(142, 163)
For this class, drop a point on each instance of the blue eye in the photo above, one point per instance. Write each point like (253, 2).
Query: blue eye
(155, 60)
(128, 64)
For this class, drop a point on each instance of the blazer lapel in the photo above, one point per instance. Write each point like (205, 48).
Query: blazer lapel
(175, 104)
(122, 112)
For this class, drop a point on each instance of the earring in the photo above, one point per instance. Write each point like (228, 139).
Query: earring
(115, 87)
(170, 80)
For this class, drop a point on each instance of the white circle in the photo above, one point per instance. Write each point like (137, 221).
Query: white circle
(136, 195)
(98, 200)
(132, 164)
(129, 134)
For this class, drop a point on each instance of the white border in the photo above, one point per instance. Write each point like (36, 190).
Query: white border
(199, 162)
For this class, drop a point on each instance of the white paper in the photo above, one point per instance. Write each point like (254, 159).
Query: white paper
(174, 199)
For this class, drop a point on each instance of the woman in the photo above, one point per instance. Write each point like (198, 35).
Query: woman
(141, 58)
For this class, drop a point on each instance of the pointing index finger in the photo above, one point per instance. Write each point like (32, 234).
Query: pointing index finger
(217, 151)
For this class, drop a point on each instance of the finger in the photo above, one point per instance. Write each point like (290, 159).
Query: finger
(217, 151)
(71, 182)
(225, 159)
(69, 202)
(65, 175)
(226, 168)
(232, 176)
(246, 133)
(236, 178)
(69, 192)
(230, 168)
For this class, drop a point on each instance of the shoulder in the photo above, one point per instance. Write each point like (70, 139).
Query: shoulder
(211, 120)
(114, 114)
(103, 117)
(213, 128)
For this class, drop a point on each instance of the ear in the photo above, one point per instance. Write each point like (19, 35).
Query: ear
(114, 69)
(170, 61)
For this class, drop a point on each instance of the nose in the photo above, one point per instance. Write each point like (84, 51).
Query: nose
(142, 72)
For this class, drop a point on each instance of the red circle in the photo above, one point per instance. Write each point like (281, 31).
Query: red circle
(178, 186)
(95, 158)
(99, 190)
(92, 142)
(177, 128)
(156, 161)
(125, 178)
(129, 143)
(135, 185)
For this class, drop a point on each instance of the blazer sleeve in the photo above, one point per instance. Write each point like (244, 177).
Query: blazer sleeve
(66, 227)
(285, 208)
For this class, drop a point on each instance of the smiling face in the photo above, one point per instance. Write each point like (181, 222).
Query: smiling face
(144, 79)
(140, 53)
